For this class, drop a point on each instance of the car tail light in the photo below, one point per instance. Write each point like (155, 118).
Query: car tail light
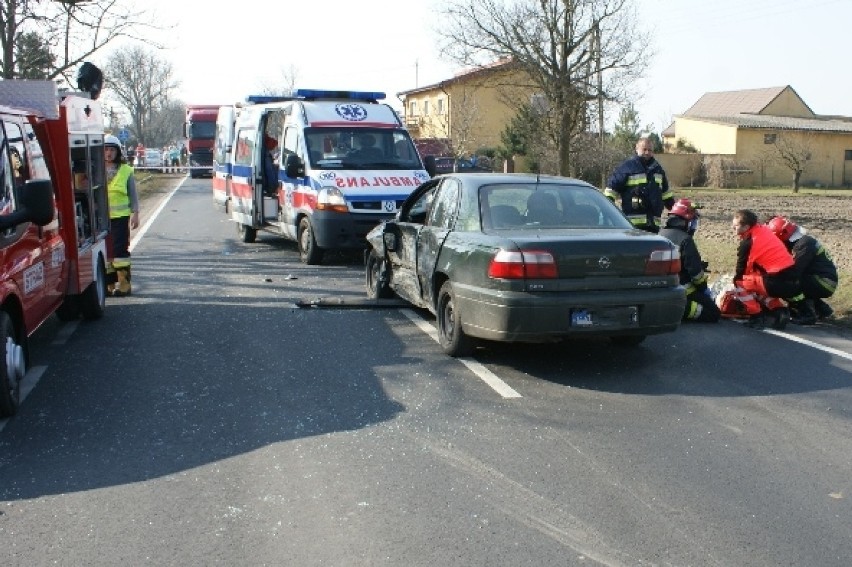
(530, 264)
(663, 262)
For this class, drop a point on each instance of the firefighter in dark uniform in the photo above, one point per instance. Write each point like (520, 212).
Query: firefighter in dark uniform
(680, 227)
(816, 269)
(641, 187)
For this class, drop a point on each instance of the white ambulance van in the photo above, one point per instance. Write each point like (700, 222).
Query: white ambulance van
(321, 168)
(222, 156)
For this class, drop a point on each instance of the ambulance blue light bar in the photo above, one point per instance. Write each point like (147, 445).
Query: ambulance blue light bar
(350, 95)
(317, 94)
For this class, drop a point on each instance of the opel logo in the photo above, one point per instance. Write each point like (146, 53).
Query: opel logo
(604, 263)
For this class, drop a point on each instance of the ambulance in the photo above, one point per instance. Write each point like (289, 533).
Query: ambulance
(317, 167)
(222, 149)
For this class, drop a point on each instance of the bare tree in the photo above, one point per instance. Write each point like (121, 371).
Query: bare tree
(576, 53)
(143, 85)
(794, 152)
(72, 30)
(289, 76)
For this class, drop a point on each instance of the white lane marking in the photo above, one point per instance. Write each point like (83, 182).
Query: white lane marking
(144, 228)
(65, 332)
(477, 368)
(31, 378)
(806, 342)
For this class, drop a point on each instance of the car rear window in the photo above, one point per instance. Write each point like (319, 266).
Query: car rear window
(535, 206)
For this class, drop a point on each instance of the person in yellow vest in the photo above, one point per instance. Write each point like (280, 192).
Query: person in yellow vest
(123, 215)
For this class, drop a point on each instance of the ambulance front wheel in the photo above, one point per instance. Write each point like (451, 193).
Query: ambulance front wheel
(309, 252)
(247, 233)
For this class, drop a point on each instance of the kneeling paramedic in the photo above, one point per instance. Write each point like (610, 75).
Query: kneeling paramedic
(680, 227)
(816, 270)
(765, 267)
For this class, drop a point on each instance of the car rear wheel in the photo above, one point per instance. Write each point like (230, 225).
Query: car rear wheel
(13, 367)
(377, 289)
(450, 334)
(309, 252)
(247, 234)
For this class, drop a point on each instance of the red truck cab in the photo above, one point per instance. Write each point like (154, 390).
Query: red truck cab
(200, 133)
(54, 218)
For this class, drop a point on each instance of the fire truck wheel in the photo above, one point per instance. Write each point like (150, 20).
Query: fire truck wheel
(93, 300)
(13, 367)
(247, 233)
(376, 289)
(309, 252)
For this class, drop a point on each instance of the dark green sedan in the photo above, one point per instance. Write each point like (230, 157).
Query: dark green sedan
(527, 258)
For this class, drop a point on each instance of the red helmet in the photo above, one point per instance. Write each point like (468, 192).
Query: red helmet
(685, 209)
(782, 227)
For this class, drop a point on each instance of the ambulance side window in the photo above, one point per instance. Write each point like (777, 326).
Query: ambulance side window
(244, 149)
(291, 142)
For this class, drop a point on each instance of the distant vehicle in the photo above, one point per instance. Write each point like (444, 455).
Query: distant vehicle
(524, 258)
(200, 133)
(446, 164)
(153, 159)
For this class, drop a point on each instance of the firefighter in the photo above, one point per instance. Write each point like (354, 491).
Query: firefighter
(123, 215)
(642, 187)
(816, 270)
(765, 267)
(680, 227)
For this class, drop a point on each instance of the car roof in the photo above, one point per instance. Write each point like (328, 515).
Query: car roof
(480, 178)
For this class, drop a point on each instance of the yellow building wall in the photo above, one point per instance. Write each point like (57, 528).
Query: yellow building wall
(707, 137)
(474, 113)
(787, 104)
(759, 161)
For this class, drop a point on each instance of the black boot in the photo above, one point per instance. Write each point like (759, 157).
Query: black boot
(802, 313)
(823, 309)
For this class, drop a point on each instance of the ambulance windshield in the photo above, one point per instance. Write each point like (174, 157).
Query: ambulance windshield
(361, 148)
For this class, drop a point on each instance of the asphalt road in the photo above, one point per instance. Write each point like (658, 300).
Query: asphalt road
(209, 420)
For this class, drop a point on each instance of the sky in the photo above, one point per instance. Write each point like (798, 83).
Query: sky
(221, 54)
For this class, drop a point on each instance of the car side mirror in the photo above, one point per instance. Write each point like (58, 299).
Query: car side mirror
(35, 204)
(294, 166)
(430, 165)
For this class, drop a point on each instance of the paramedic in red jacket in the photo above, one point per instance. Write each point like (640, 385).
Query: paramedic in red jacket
(765, 266)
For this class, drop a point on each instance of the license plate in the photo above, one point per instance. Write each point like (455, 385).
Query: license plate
(622, 316)
(581, 318)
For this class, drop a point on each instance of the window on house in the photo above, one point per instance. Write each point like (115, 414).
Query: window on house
(538, 103)
(440, 106)
(425, 108)
(848, 155)
(412, 108)
(769, 138)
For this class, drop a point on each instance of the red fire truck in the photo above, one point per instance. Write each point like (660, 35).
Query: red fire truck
(54, 219)
(200, 133)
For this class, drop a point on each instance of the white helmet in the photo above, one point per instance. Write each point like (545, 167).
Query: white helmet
(110, 140)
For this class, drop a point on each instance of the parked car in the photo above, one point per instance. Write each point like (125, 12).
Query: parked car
(446, 164)
(524, 258)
